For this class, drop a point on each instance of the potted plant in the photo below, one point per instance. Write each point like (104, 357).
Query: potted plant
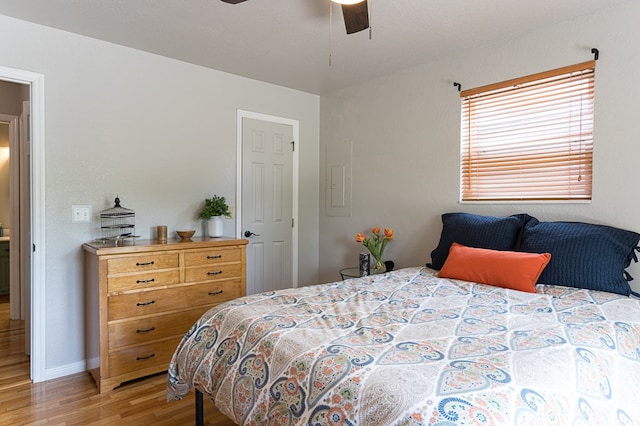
(213, 211)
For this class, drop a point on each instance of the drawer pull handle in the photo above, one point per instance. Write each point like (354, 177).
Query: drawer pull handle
(144, 263)
(146, 303)
(217, 256)
(145, 331)
(215, 293)
(145, 281)
(142, 358)
(214, 273)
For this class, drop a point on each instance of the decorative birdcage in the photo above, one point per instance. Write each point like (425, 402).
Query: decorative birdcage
(118, 222)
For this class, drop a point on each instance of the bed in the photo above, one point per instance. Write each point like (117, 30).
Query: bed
(410, 347)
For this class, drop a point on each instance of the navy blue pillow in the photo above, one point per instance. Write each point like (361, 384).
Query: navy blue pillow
(583, 255)
(472, 230)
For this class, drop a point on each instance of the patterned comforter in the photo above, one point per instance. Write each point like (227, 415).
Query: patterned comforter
(409, 348)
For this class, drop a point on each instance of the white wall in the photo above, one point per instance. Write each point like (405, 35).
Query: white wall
(405, 130)
(160, 133)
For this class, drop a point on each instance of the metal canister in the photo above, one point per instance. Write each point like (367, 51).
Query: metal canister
(364, 264)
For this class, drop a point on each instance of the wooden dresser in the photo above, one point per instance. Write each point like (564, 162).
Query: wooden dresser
(142, 297)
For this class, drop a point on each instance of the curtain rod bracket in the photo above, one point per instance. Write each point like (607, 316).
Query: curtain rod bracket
(458, 85)
(596, 53)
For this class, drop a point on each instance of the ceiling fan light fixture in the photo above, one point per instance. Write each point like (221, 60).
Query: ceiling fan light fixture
(347, 1)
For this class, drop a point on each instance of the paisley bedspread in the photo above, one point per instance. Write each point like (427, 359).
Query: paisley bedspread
(409, 348)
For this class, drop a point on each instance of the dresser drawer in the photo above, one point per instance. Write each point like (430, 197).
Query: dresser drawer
(213, 272)
(211, 256)
(143, 263)
(142, 281)
(162, 300)
(142, 330)
(157, 354)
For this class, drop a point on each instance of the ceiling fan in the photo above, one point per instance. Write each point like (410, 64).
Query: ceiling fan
(355, 13)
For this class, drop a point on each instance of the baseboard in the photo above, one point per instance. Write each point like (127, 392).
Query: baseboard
(93, 363)
(65, 370)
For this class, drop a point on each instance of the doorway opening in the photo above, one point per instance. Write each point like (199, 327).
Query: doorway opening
(24, 112)
(14, 224)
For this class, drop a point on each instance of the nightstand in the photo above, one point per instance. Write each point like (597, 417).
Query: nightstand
(350, 273)
(354, 272)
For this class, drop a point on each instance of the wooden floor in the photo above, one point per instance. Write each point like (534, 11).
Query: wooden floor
(14, 364)
(74, 400)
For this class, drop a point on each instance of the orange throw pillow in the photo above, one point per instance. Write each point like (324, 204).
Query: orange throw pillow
(507, 269)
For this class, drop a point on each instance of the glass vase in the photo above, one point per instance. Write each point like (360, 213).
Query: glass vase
(378, 267)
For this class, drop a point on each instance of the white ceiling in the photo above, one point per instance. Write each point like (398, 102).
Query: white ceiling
(287, 42)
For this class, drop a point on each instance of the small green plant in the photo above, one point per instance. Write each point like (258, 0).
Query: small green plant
(215, 206)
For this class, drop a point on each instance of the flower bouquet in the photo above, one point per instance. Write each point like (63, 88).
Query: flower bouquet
(376, 244)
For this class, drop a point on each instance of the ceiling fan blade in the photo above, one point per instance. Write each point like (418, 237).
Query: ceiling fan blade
(233, 1)
(356, 17)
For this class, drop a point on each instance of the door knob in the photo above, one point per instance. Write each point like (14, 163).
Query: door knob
(249, 234)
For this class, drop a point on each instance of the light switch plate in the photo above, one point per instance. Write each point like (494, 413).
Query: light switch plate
(80, 214)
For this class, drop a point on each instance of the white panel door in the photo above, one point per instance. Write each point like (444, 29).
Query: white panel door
(267, 203)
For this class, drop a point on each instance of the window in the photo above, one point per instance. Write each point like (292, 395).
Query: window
(529, 138)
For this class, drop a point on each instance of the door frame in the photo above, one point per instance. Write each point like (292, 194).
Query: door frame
(35, 82)
(295, 124)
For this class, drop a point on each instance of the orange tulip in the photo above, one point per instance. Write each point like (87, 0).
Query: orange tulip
(359, 237)
(388, 233)
(376, 230)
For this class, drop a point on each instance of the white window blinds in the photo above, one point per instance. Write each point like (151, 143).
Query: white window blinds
(529, 138)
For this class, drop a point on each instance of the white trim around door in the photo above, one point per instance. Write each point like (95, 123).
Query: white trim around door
(295, 124)
(38, 288)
